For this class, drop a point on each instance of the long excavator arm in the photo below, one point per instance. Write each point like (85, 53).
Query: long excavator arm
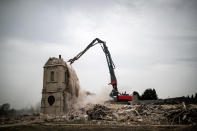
(111, 66)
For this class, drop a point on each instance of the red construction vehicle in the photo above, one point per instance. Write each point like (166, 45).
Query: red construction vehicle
(114, 93)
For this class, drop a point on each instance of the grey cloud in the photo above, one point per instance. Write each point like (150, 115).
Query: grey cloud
(30, 20)
(42, 20)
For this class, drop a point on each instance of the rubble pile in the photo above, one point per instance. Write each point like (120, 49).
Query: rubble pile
(77, 115)
(182, 115)
(137, 114)
(98, 112)
(146, 114)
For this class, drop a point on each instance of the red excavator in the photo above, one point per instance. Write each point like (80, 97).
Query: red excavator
(118, 97)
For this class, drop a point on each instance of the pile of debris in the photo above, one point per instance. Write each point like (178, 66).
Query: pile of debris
(145, 114)
(182, 115)
(98, 112)
(137, 114)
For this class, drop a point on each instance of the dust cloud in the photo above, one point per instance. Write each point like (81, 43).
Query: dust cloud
(86, 97)
(81, 97)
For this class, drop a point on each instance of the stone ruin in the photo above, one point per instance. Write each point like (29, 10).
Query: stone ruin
(60, 87)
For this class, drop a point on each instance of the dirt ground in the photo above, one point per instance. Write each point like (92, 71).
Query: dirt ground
(95, 127)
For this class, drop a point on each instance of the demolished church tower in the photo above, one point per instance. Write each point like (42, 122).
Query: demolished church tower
(60, 87)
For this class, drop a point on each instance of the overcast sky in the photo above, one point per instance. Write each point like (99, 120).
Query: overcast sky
(153, 44)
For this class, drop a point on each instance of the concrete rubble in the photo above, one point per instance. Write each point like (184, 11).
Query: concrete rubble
(137, 114)
(110, 114)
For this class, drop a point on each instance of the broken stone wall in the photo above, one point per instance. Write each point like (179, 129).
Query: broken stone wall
(72, 89)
